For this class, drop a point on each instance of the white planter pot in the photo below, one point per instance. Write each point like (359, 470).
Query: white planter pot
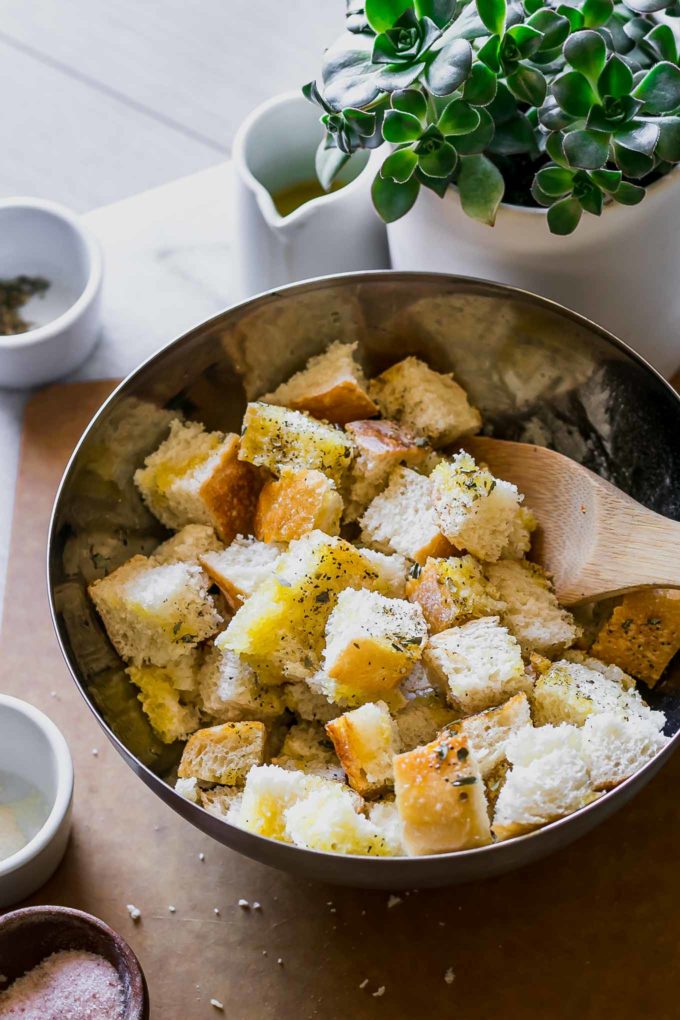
(619, 269)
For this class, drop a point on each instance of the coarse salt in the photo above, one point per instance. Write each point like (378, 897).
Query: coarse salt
(244, 905)
(363, 983)
(216, 1004)
(394, 901)
(68, 985)
(134, 912)
(450, 977)
(380, 991)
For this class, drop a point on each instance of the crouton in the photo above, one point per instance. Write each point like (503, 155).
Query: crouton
(549, 779)
(488, 732)
(440, 797)
(474, 510)
(330, 386)
(223, 754)
(431, 403)
(223, 802)
(372, 642)
(402, 519)
(380, 446)
(571, 692)
(275, 437)
(308, 748)
(643, 633)
(610, 670)
(187, 545)
(384, 814)
(532, 613)
(189, 789)
(269, 792)
(365, 740)
(452, 591)
(392, 571)
(308, 703)
(229, 691)
(279, 630)
(197, 477)
(615, 747)
(296, 503)
(421, 719)
(327, 819)
(477, 665)
(170, 719)
(155, 613)
(523, 525)
(240, 568)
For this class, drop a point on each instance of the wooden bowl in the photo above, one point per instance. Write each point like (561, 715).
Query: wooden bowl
(28, 936)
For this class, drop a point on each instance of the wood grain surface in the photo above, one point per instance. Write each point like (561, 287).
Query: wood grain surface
(589, 933)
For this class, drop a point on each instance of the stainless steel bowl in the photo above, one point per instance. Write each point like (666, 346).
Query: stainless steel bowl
(538, 372)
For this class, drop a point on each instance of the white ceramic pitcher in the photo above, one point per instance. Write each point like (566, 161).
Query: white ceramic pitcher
(338, 232)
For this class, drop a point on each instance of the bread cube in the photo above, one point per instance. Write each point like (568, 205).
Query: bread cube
(431, 403)
(187, 545)
(189, 789)
(269, 792)
(223, 802)
(523, 525)
(307, 748)
(440, 797)
(615, 748)
(643, 633)
(549, 779)
(531, 611)
(229, 690)
(372, 642)
(402, 519)
(452, 591)
(392, 571)
(308, 703)
(571, 692)
(155, 613)
(330, 386)
(276, 437)
(421, 719)
(474, 510)
(384, 815)
(477, 666)
(196, 477)
(240, 568)
(279, 630)
(160, 699)
(296, 503)
(223, 754)
(380, 447)
(488, 732)
(366, 739)
(327, 819)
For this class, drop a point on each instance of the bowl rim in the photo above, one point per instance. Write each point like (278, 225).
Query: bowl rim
(200, 816)
(87, 295)
(64, 792)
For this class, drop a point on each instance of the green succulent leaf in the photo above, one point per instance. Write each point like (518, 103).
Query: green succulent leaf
(659, 90)
(328, 162)
(629, 194)
(596, 12)
(440, 162)
(616, 79)
(492, 13)
(481, 187)
(573, 16)
(410, 101)
(401, 127)
(591, 200)
(527, 39)
(478, 140)
(668, 146)
(662, 40)
(528, 85)
(554, 146)
(641, 136)
(383, 14)
(587, 53)
(606, 180)
(395, 78)
(574, 93)
(553, 26)
(393, 200)
(360, 121)
(450, 67)
(480, 88)
(614, 114)
(407, 42)
(513, 137)
(458, 118)
(632, 163)
(400, 165)
(349, 75)
(552, 116)
(555, 181)
(646, 6)
(587, 150)
(439, 11)
(504, 106)
(490, 53)
(564, 216)
(440, 185)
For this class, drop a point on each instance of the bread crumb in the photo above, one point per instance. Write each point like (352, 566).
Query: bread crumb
(172, 909)
(201, 857)
(394, 901)
(216, 1004)
(381, 991)
(216, 910)
(280, 962)
(257, 906)
(134, 912)
(363, 983)
(449, 977)
(244, 905)
(95, 752)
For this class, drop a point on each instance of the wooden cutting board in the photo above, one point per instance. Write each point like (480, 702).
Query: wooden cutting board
(592, 931)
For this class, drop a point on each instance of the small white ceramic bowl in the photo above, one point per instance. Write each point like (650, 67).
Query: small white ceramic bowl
(40, 238)
(34, 749)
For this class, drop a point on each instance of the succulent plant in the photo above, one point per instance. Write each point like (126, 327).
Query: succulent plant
(566, 105)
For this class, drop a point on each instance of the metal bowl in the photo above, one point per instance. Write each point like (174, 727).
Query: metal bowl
(538, 372)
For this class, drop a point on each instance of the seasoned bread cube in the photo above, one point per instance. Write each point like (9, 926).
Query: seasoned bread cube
(392, 571)
(440, 797)
(189, 789)
(269, 792)
(330, 386)
(643, 633)
(523, 525)
(452, 591)
(196, 477)
(307, 703)
(421, 719)
(229, 691)
(571, 692)
(279, 630)
(384, 814)
(380, 447)
(155, 613)
(372, 642)
(615, 747)
(401, 519)
(276, 437)
(327, 819)
(223, 802)
(532, 612)
(366, 739)
(240, 568)
(223, 754)
(488, 732)
(610, 670)
(477, 665)
(431, 403)
(474, 510)
(160, 699)
(549, 779)
(296, 503)
(187, 545)
(307, 748)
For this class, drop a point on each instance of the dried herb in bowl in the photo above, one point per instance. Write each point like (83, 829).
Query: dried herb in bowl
(14, 294)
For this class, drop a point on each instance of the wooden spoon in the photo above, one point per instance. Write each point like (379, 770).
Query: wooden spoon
(594, 540)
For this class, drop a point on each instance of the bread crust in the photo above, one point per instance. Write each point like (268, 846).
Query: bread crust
(223, 754)
(230, 493)
(342, 402)
(383, 437)
(643, 634)
(347, 740)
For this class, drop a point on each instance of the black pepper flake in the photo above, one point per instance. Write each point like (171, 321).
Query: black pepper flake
(465, 781)
(462, 753)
